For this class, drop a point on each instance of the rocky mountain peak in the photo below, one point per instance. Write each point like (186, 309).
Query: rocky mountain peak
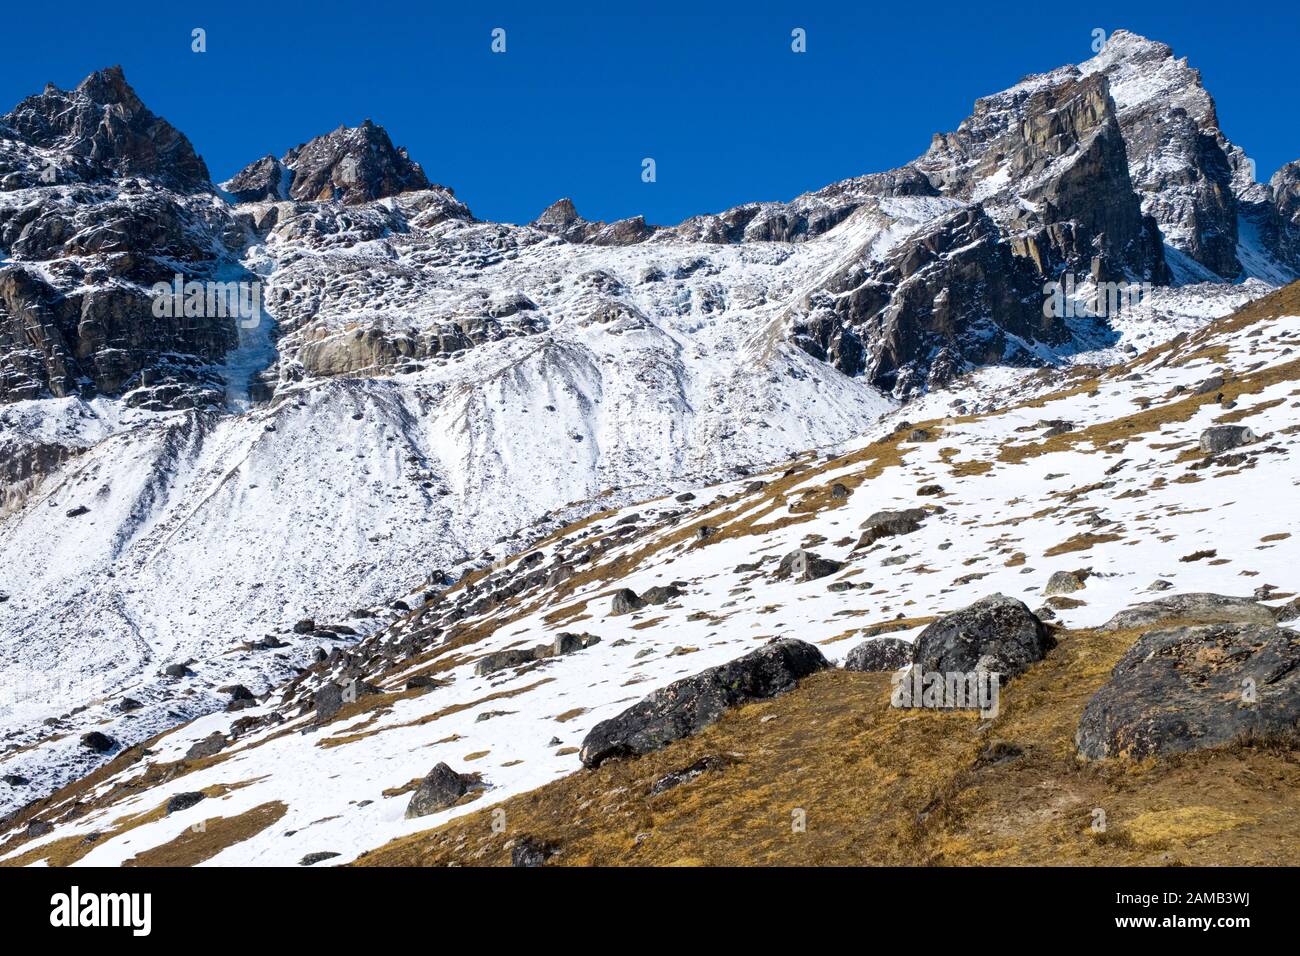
(100, 130)
(351, 165)
(561, 218)
(560, 213)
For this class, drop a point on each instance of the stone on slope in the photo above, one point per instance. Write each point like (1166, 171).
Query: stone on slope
(693, 703)
(885, 524)
(98, 742)
(1203, 608)
(1219, 438)
(530, 851)
(183, 801)
(439, 790)
(879, 654)
(1063, 582)
(801, 565)
(1188, 688)
(625, 601)
(997, 634)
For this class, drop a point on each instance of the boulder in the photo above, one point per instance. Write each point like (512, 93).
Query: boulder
(661, 594)
(311, 859)
(566, 643)
(1063, 582)
(686, 774)
(183, 801)
(997, 634)
(512, 657)
(1189, 688)
(885, 524)
(693, 703)
(1220, 438)
(530, 851)
(804, 565)
(625, 601)
(1201, 607)
(440, 789)
(207, 747)
(305, 626)
(100, 743)
(880, 654)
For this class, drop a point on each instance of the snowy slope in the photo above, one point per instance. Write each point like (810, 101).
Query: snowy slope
(1122, 491)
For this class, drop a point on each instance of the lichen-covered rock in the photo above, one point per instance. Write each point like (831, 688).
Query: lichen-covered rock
(440, 789)
(1220, 438)
(997, 634)
(625, 601)
(1201, 607)
(880, 654)
(1188, 688)
(693, 703)
(801, 565)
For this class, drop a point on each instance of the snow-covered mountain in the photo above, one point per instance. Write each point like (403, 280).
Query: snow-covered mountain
(193, 502)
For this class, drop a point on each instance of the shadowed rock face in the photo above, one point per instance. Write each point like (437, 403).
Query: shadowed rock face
(947, 299)
(1189, 688)
(1182, 166)
(1047, 158)
(1285, 185)
(350, 165)
(693, 703)
(103, 130)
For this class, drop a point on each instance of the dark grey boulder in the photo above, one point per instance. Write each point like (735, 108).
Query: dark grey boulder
(1198, 607)
(885, 524)
(693, 703)
(801, 565)
(39, 828)
(1220, 438)
(126, 705)
(440, 789)
(511, 657)
(997, 634)
(183, 801)
(176, 670)
(1189, 688)
(625, 601)
(15, 780)
(311, 859)
(686, 774)
(661, 594)
(530, 851)
(209, 746)
(879, 654)
(100, 743)
(305, 626)
(567, 643)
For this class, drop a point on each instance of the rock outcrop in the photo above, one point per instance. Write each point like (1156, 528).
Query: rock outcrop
(1189, 688)
(880, 654)
(350, 165)
(98, 132)
(996, 634)
(440, 789)
(693, 703)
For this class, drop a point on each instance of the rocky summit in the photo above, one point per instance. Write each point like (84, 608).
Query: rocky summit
(338, 518)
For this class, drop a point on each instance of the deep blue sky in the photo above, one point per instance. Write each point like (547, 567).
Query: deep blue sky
(711, 91)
